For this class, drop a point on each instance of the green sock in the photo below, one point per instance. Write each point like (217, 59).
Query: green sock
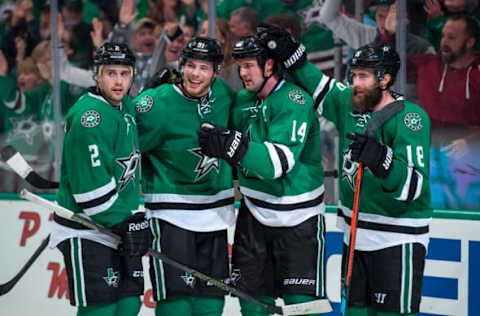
(208, 306)
(128, 306)
(97, 310)
(360, 311)
(250, 309)
(176, 306)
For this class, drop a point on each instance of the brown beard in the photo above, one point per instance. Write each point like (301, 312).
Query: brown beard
(368, 101)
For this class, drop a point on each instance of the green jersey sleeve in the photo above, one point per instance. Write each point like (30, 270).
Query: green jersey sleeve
(288, 115)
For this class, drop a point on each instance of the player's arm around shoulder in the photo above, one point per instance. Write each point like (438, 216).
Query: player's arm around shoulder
(150, 114)
(408, 134)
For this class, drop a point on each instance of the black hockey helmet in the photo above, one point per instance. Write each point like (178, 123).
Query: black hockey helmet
(250, 46)
(383, 59)
(114, 54)
(203, 48)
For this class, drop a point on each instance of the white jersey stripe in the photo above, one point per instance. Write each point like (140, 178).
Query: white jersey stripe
(95, 194)
(288, 153)
(406, 186)
(102, 207)
(277, 166)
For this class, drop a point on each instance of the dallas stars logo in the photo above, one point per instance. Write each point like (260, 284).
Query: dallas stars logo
(112, 278)
(361, 119)
(25, 128)
(189, 279)
(129, 166)
(205, 164)
(349, 168)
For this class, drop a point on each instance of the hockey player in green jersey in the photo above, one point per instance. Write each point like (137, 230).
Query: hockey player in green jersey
(274, 141)
(188, 195)
(100, 180)
(395, 209)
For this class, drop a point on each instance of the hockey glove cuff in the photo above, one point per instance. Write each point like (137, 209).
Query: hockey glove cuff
(373, 154)
(219, 142)
(281, 46)
(136, 235)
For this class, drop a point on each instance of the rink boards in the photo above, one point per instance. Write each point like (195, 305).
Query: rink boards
(452, 272)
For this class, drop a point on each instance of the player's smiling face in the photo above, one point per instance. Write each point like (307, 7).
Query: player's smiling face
(197, 77)
(251, 73)
(114, 82)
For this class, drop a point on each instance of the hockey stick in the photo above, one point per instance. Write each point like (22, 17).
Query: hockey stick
(21, 167)
(318, 306)
(6, 287)
(375, 123)
(313, 307)
(66, 213)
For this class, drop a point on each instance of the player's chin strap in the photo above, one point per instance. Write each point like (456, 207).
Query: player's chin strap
(313, 307)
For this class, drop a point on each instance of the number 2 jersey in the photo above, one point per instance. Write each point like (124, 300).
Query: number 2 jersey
(394, 210)
(281, 176)
(181, 184)
(100, 174)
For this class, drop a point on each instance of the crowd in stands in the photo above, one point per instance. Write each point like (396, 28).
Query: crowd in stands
(442, 46)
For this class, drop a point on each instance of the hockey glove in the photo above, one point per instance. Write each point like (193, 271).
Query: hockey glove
(373, 154)
(219, 142)
(281, 46)
(136, 235)
(162, 76)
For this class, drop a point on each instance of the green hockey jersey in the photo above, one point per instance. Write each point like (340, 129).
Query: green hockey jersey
(394, 210)
(181, 184)
(100, 174)
(281, 176)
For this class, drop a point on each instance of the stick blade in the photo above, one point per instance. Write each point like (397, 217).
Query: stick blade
(313, 307)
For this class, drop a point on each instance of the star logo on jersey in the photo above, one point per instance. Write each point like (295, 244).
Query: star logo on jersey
(349, 168)
(189, 279)
(361, 119)
(129, 166)
(205, 164)
(311, 14)
(413, 121)
(23, 128)
(144, 104)
(90, 119)
(296, 96)
(112, 278)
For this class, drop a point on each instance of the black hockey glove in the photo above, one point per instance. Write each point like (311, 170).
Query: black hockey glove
(219, 142)
(281, 46)
(136, 235)
(373, 154)
(162, 76)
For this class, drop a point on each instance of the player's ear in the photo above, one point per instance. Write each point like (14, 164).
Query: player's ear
(384, 83)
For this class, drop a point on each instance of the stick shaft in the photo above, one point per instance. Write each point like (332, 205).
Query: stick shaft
(6, 287)
(66, 213)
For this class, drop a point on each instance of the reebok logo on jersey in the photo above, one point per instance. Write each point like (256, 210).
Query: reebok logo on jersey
(234, 145)
(298, 281)
(133, 227)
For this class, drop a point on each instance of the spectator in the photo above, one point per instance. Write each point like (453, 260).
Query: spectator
(229, 69)
(243, 21)
(164, 11)
(72, 13)
(27, 115)
(437, 13)
(21, 24)
(449, 90)
(357, 34)
(288, 22)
